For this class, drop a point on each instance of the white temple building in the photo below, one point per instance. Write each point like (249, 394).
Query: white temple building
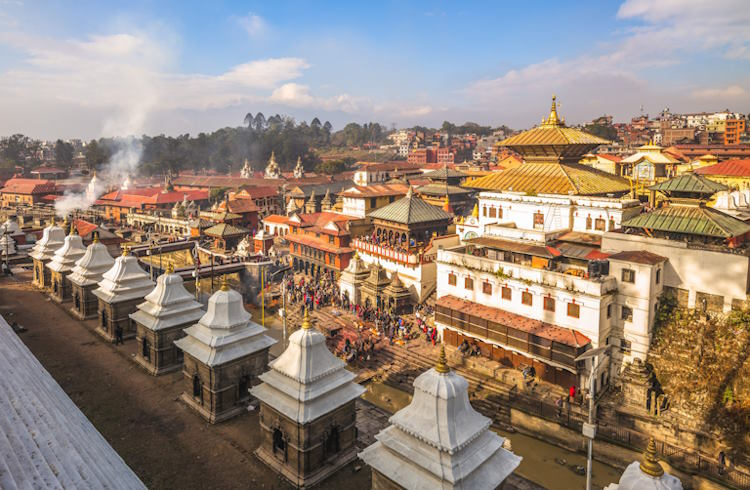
(646, 475)
(85, 277)
(52, 239)
(160, 320)
(7, 245)
(272, 169)
(439, 440)
(223, 355)
(63, 262)
(352, 278)
(121, 289)
(308, 392)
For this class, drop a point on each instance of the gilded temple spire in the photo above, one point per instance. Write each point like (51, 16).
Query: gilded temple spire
(553, 119)
(442, 364)
(650, 464)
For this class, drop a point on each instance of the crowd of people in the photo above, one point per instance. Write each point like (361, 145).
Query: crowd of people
(311, 294)
(392, 243)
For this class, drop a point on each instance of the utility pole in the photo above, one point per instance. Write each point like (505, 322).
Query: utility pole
(263, 296)
(589, 428)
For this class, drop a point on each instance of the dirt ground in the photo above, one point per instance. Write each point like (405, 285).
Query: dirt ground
(165, 443)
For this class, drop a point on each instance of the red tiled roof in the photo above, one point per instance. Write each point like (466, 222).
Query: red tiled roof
(84, 227)
(728, 168)
(566, 336)
(613, 158)
(136, 198)
(28, 186)
(374, 166)
(276, 218)
(240, 206)
(50, 197)
(256, 192)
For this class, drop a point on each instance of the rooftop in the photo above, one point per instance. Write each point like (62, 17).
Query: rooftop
(689, 220)
(28, 186)
(727, 168)
(410, 210)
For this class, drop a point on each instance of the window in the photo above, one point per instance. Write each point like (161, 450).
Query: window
(484, 211)
(373, 202)
(625, 345)
(538, 220)
(627, 314)
(658, 276)
(487, 288)
(549, 304)
(493, 213)
(628, 275)
(506, 293)
(600, 224)
(526, 298)
(574, 310)
(452, 279)
(588, 222)
(609, 310)
(499, 212)
(468, 283)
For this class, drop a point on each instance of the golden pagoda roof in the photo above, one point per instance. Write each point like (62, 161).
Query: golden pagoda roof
(552, 178)
(553, 131)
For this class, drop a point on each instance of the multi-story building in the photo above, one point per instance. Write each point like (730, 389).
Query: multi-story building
(439, 155)
(25, 191)
(118, 204)
(733, 130)
(361, 200)
(379, 173)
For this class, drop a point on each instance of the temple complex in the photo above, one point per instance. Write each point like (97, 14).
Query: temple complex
(52, 239)
(439, 440)
(85, 277)
(224, 353)
(445, 186)
(646, 475)
(307, 410)
(62, 263)
(121, 289)
(160, 320)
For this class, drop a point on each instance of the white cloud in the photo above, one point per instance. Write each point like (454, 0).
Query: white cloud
(723, 93)
(253, 24)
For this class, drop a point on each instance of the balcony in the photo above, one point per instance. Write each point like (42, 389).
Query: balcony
(598, 286)
(388, 253)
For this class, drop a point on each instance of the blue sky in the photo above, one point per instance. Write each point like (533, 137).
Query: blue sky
(86, 69)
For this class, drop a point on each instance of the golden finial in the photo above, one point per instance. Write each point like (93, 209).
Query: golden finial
(125, 251)
(306, 320)
(224, 283)
(442, 364)
(54, 221)
(650, 464)
(552, 119)
(73, 228)
(170, 268)
(475, 211)
(96, 237)
(65, 222)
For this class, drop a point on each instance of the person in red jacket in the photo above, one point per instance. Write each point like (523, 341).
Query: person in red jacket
(572, 393)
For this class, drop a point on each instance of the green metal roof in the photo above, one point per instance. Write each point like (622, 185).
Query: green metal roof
(410, 210)
(224, 229)
(689, 183)
(690, 220)
(442, 189)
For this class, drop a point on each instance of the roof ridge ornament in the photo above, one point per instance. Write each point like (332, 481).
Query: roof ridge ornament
(553, 120)
(125, 251)
(442, 363)
(224, 283)
(650, 464)
(306, 325)
(96, 237)
(170, 268)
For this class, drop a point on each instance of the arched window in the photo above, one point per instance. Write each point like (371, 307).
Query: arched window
(279, 444)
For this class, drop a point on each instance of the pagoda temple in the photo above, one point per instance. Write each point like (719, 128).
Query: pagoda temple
(52, 239)
(160, 320)
(551, 153)
(646, 475)
(409, 222)
(439, 440)
(445, 186)
(307, 410)
(121, 289)
(85, 277)
(224, 353)
(62, 263)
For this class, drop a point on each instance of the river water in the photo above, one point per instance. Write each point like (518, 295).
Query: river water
(544, 464)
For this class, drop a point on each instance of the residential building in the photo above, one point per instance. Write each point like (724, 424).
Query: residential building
(265, 198)
(379, 173)
(276, 224)
(603, 161)
(361, 200)
(733, 130)
(118, 204)
(735, 173)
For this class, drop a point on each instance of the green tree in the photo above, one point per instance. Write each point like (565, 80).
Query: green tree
(95, 155)
(63, 153)
(249, 119)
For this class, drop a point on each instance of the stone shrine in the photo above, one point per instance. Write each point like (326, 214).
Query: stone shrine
(62, 263)
(121, 289)
(85, 277)
(352, 278)
(224, 353)
(307, 412)
(52, 239)
(160, 320)
(439, 440)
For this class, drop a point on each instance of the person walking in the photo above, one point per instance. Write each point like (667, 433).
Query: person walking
(118, 335)
(572, 393)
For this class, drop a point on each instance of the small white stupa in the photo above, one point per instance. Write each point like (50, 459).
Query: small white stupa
(7, 245)
(121, 289)
(646, 475)
(439, 440)
(299, 170)
(42, 252)
(307, 391)
(63, 262)
(160, 320)
(11, 227)
(272, 169)
(229, 346)
(85, 277)
(246, 171)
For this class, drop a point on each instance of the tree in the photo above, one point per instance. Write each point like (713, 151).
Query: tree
(249, 119)
(63, 153)
(327, 127)
(95, 155)
(315, 123)
(259, 122)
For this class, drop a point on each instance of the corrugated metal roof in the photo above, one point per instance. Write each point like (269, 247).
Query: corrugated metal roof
(223, 230)
(691, 220)
(444, 173)
(537, 250)
(442, 189)
(410, 210)
(689, 183)
(728, 168)
(553, 135)
(552, 178)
